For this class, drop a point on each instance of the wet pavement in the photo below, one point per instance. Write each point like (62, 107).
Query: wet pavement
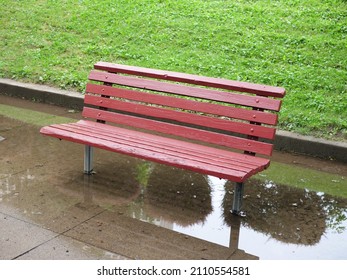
(134, 209)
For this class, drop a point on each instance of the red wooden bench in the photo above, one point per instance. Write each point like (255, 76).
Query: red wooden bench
(213, 126)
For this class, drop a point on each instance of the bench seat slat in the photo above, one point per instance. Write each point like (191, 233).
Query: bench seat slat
(204, 107)
(151, 144)
(209, 94)
(207, 149)
(182, 131)
(139, 138)
(263, 90)
(226, 164)
(183, 117)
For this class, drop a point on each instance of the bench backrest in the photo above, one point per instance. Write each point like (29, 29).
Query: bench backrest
(233, 114)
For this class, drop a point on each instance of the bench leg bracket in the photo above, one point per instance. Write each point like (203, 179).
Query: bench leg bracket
(237, 202)
(88, 159)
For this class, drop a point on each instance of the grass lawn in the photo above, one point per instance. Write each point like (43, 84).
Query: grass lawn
(299, 45)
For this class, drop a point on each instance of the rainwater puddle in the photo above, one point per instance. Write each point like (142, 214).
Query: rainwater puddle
(281, 223)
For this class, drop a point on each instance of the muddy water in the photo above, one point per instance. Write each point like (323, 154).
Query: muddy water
(41, 181)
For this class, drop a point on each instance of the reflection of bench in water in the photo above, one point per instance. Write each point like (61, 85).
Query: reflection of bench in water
(166, 197)
(173, 196)
(179, 196)
(208, 125)
(287, 214)
(117, 183)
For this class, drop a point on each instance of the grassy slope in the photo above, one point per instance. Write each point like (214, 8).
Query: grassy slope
(300, 45)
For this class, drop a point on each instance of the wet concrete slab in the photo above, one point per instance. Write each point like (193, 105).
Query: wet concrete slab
(135, 209)
(18, 237)
(62, 248)
(116, 232)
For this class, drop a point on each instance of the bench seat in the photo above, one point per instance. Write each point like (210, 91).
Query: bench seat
(193, 156)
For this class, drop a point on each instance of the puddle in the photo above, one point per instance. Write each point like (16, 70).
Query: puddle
(281, 223)
(41, 178)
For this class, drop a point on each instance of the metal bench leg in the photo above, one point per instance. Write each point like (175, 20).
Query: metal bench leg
(88, 159)
(238, 196)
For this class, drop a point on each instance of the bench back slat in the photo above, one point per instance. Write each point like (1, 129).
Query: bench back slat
(190, 106)
(263, 90)
(182, 117)
(182, 131)
(196, 92)
(204, 107)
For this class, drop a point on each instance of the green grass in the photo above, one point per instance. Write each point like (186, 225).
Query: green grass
(299, 45)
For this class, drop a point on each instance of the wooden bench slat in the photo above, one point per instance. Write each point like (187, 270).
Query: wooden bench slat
(232, 170)
(208, 94)
(219, 154)
(204, 107)
(262, 90)
(183, 117)
(158, 144)
(143, 154)
(186, 132)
